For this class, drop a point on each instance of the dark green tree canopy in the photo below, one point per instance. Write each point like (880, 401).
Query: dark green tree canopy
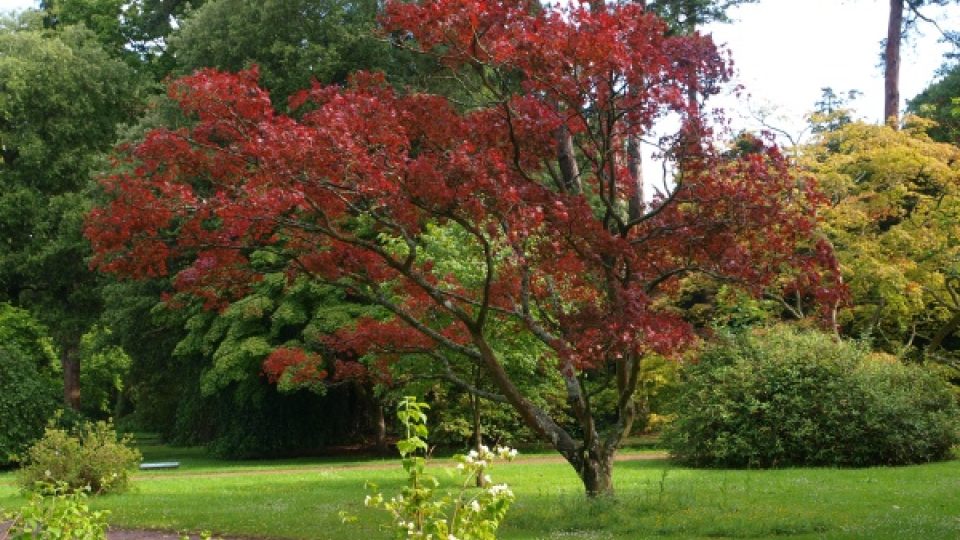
(134, 30)
(939, 102)
(61, 98)
(292, 41)
(29, 381)
(685, 15)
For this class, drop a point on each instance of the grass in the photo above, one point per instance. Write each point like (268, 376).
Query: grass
(300, 499)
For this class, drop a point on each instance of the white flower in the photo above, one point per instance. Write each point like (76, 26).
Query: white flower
(475, 506)
(366, 500)
(499, 490)
(460, 466)
(487, 479)
(452, 537)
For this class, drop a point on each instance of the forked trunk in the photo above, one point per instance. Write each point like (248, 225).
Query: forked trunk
(595, 467)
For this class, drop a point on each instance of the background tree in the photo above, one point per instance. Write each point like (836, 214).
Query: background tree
(938, 102)
(62, 99)
(160, 389)
(903, 15)
(291, 41)
(891, 63)
(831, 112)
(893, 222)
(685, 16)
(135, 31)
(102, 17)
(30, 382)
(104, 367)
(269, 375)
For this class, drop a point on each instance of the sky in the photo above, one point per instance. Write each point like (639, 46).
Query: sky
(785, 51)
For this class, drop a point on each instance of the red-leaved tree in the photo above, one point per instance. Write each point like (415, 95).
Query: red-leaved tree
(535, 179)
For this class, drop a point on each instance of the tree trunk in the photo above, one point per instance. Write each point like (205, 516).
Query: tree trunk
(635, 162)
(945, 331)
(591, 459)
(477, 433)
(381, 430)
(70, 362)
(596, 473)
(120, 405)
(569, 170)
(635, 170)
(378, 420)
(891, 74)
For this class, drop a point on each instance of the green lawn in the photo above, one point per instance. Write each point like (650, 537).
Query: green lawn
(302, 498)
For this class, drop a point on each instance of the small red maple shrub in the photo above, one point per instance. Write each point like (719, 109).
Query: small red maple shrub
(538, 178)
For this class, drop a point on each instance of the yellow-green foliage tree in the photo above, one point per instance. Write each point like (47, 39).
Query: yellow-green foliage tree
(894, 219)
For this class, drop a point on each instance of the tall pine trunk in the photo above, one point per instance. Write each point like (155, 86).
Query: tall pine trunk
(891, 56)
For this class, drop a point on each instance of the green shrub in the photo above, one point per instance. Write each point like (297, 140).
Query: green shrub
(93, 459)
(781, 397)
(57, 513)
(30, 383)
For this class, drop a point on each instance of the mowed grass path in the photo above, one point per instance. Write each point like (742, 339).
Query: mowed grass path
(301, 499)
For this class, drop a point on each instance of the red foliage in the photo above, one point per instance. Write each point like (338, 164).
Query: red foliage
(569, 266)
(300, 366)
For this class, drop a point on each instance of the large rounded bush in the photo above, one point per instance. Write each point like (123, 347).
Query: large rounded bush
(781, 397)
(30, 383)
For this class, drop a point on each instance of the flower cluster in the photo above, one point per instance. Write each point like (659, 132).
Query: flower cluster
(479, 459)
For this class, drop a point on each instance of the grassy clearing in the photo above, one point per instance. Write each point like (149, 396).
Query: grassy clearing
(301, 499)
